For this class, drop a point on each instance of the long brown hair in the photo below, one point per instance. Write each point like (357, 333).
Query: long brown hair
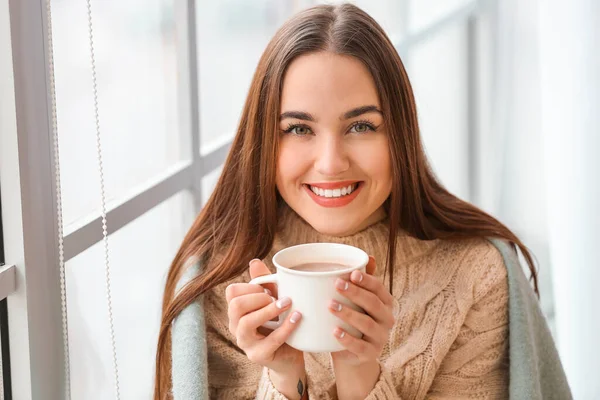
(238, 222)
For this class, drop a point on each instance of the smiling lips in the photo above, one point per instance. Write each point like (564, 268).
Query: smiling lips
(333, 194)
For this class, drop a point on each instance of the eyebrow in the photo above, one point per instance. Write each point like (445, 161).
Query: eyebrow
(355, 112)
(297, 115)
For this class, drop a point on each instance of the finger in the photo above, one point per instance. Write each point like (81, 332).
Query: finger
(242, 305)
(359, 347)
(371, 265)
(372, 284)
(258, 268)
(363, 323)
(240, 289)
(252, 321)
(277, 338)
(367, 300)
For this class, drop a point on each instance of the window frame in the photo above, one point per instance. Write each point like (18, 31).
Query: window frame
(29, 186)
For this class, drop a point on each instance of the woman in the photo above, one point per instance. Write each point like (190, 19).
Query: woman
(328, 150)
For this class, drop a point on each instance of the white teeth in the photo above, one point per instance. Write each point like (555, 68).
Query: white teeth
(333, 192)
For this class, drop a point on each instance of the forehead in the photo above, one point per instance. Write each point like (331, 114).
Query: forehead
(326, 82)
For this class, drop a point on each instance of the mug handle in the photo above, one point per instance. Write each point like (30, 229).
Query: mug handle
(272, 278)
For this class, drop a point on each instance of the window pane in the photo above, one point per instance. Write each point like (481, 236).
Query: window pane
(209, 182)
(136, 65)
(140, 255)
(425, 12)
(232, 35)
(441, 95)
(390, 14)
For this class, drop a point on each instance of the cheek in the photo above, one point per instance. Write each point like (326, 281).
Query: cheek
(375, 161)
(385, 171)
(289, 165)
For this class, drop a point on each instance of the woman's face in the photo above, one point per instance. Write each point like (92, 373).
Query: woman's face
(333, 167)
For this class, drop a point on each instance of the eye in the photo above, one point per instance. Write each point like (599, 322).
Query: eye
(298, 130)
(362, 127)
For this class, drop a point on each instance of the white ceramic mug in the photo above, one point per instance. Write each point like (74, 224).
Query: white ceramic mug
(311, 292)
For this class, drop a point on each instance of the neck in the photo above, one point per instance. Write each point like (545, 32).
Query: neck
(378, 216)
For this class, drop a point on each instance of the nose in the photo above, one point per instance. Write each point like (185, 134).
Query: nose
(331, 157)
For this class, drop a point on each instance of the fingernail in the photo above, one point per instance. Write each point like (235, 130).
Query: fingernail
(357, 276)
(273, 299)
(253, 260)
(335, 306)
(341, 284)
(267, 291)
(295, 317)
(339, 333)
(282, 303)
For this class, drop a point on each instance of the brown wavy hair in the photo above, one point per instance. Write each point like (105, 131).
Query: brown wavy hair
(238, 222)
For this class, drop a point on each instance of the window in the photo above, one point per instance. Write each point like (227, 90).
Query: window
(171, 82)
(140, 254)
(442, 104)
(136, 56)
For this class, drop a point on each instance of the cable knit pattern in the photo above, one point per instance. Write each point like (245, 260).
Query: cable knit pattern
(450, 340)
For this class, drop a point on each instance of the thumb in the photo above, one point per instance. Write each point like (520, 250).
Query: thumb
(258, 268)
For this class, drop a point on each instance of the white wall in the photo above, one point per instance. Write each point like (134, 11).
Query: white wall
(570, 51)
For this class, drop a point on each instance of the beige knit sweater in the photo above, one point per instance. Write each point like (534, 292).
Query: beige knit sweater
(450, 340)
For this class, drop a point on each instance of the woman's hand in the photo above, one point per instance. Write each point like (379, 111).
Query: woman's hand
(249, 307)
(371, 295)
(357, 368)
